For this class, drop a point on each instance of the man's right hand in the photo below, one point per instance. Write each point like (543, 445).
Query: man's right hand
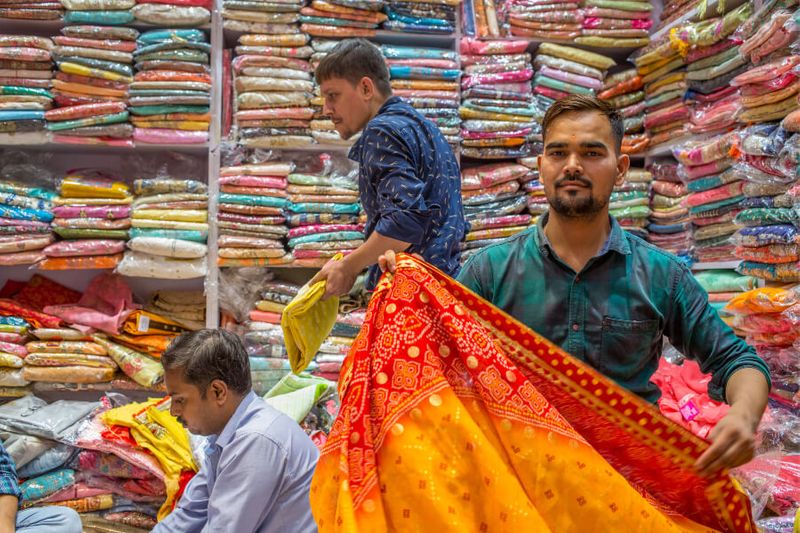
(388, 261)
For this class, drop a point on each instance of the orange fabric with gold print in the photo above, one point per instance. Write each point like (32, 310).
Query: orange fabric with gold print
(456, 417)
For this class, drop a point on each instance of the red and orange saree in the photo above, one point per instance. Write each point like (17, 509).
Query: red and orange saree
(456, 417)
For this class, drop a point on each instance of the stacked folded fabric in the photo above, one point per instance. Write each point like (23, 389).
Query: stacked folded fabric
(722, 286)
(623, 90)
(171, 93)
(106, 12)
(263, 337)
(274, 86)
(427, 16)
(323, 215)
(31, 9)
(342, 18)
(718, 110)
(767, 242)
(547, 20)
(25, 216)
(187, 308)
(170, 228)
(768, 92)
(562, 71)
(92, 215)
(663, 73)
(333, 351)
(495, 198)
(615, 23)
(13, 336)
(715, 192)
(251, 218)
(118, 472)
(173, 13)
(427, 78)
(630, 202)
(144, 335)
(67, 358)
(275, 18)
(670, 224)
(25, 81)
(497, 108)
(91, 88)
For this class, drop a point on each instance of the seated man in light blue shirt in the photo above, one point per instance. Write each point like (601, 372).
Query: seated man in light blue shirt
(256, 475)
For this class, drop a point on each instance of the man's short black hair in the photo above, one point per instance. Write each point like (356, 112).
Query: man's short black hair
(210, 354)
(353, 59)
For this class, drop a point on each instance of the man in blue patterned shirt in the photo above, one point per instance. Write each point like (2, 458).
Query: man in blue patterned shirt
(409, 179)
(33, 520)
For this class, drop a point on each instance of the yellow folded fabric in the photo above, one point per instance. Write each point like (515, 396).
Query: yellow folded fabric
(266, 305)
(307, 321)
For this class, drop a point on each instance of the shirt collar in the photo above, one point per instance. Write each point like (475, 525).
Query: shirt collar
(355, 151)
(617, 240)
(230, 428)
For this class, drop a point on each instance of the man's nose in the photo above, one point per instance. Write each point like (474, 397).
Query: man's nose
(573, 165)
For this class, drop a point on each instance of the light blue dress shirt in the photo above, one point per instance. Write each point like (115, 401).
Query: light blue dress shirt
(256, 477)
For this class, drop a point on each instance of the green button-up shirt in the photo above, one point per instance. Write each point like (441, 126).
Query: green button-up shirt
(615, 312)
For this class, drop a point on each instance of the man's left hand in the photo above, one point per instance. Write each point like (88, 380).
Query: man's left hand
(733, 443)
(339, 276)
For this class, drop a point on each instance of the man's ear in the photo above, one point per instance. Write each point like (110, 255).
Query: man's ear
(623, 164)
(219, 391)
(366, 88)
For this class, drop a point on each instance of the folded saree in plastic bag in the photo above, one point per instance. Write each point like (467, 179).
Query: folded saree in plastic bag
(516, 433)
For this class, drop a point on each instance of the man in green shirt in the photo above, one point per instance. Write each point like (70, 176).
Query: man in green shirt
(606, 296)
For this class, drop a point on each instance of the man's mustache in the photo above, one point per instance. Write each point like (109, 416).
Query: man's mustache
(569, 180)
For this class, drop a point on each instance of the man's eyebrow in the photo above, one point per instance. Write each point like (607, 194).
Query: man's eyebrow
(594, 144)
(555, 145)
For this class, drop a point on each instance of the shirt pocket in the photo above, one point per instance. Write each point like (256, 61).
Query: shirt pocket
(625, 346)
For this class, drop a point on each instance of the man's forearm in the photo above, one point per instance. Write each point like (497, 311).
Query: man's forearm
(368, 253)
(8, 513)
(747, 392)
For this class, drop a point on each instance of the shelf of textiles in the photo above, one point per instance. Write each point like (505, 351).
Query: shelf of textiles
(57, 339)
(90, 219)
(295, 209)
(139, 13)
(697, 82)
(277, 103)
(592, 23)
(508, 85)
(107, 86)
(423, 23)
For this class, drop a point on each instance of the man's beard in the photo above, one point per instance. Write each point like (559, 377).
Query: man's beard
(575, 206)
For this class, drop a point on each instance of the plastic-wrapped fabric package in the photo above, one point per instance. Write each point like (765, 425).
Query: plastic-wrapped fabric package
(618, 88)
(91, 85)
(170, 93)
(415, 68)
(272, 77)
(25, 78)
(246, 235)
(26, 210)
(325, 173)
(556, 75)
(67, 361)
(93, 231)
(164, 203)
(499, 116)
(485, 185)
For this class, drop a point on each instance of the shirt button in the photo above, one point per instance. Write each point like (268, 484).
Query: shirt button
(575, 327)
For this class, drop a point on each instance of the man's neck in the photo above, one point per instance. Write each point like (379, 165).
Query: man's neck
(375, 105)
(577, 240)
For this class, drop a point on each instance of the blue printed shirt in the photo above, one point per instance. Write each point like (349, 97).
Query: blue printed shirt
(410, 186)
(9, 485)
(256, 477)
